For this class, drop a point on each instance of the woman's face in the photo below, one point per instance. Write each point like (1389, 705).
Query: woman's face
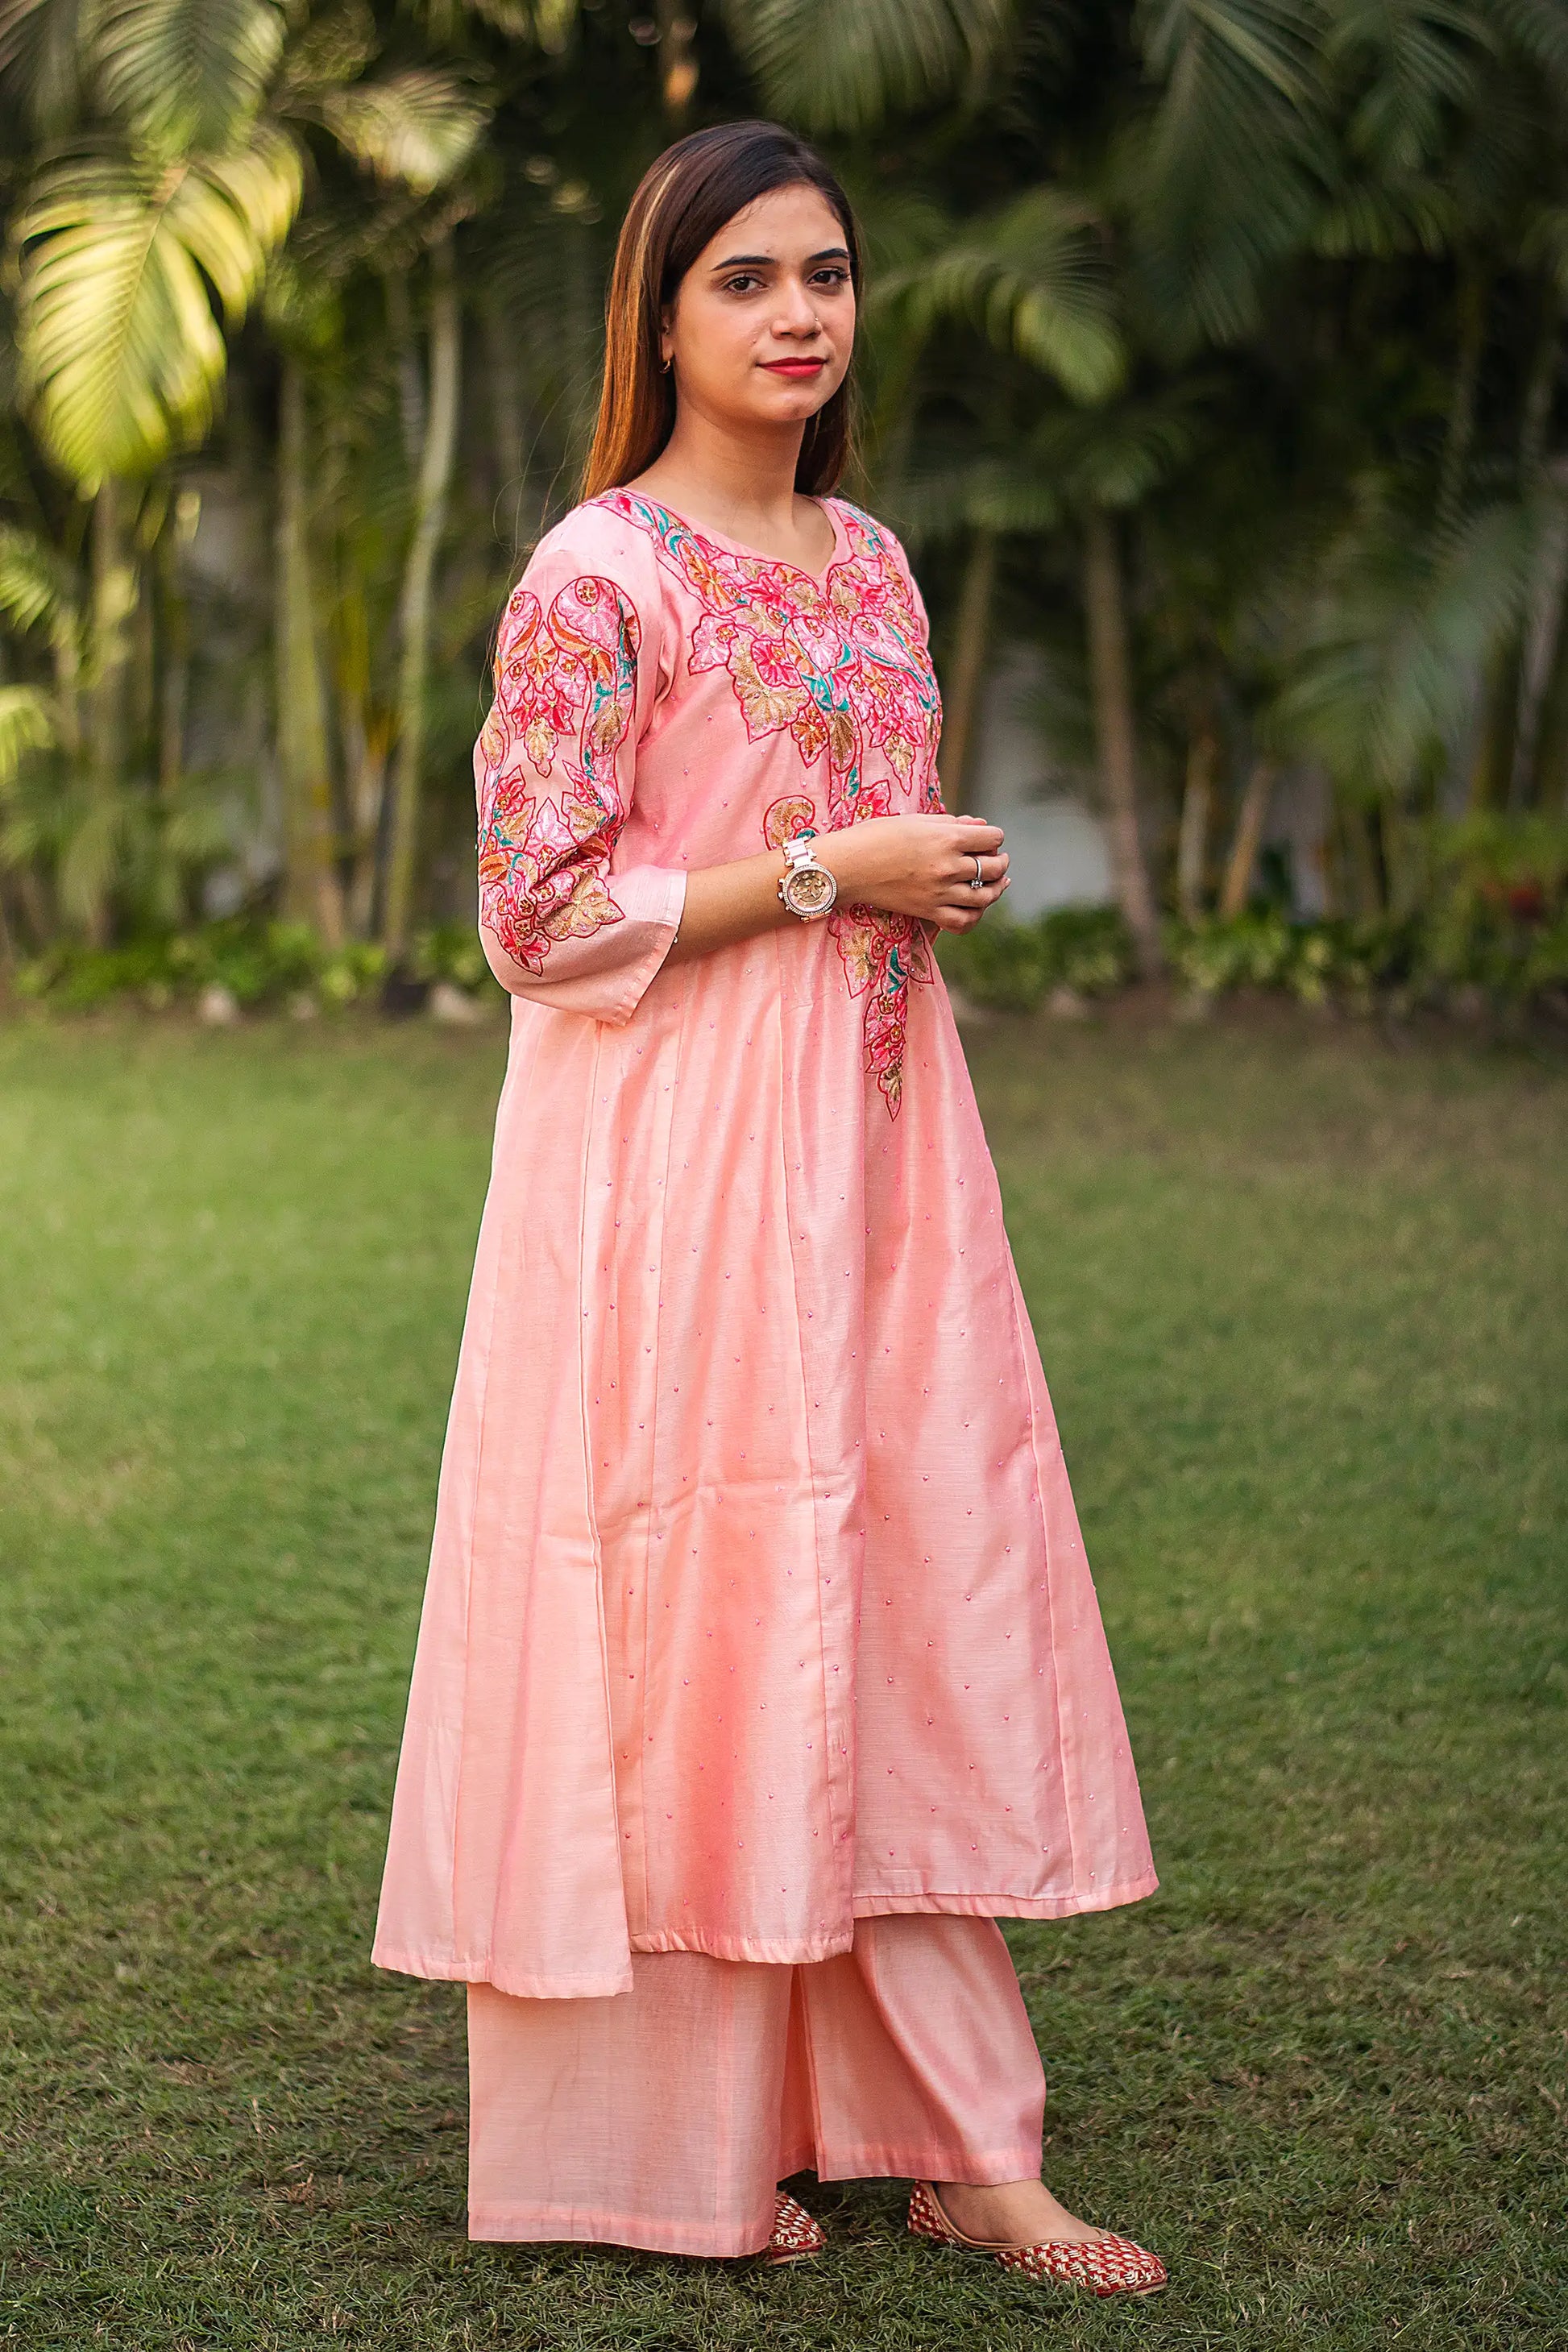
(763, 323)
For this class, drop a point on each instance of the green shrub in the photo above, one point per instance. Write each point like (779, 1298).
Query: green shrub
(452, 951)
(1014, 966)
(1317, 962)
(351, 972)
(1495, 920)
(259, 963)
(1498, 905)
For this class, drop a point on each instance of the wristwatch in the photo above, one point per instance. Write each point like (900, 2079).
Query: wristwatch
(805, 888)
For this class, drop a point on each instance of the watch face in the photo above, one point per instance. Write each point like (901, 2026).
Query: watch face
(809, 890)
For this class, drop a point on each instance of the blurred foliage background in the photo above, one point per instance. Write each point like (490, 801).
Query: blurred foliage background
(1213, 349)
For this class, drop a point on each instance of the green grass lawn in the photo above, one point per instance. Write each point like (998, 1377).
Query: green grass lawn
(1301, 1298)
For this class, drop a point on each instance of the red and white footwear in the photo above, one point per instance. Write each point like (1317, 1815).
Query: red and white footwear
(1107, 2265)
(796, 2237)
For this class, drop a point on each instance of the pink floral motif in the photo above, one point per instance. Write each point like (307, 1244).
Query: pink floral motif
(884, 955)
(782, 819)
(565, 679)
(838, 665)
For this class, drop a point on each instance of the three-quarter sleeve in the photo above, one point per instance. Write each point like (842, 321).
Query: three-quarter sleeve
(554, 767)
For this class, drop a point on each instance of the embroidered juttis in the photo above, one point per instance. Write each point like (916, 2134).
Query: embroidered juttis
(757, 1602)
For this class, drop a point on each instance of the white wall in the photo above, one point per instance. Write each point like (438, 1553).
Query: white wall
(1055, 841)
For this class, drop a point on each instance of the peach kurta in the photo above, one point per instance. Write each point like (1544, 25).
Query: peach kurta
(757, 1602)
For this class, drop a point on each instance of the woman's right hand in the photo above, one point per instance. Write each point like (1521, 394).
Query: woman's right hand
(920, 865)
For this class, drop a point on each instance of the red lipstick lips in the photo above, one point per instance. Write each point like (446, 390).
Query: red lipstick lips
(801, 367)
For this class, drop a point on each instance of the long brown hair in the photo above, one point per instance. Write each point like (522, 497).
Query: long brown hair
(683, 200)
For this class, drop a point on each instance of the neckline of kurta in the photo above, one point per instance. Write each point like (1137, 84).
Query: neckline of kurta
(818, 580)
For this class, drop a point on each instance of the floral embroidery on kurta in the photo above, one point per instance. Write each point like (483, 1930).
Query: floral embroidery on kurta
(568, 677)
(839, 666)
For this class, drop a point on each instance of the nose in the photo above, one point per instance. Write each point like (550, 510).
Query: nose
(796, 313)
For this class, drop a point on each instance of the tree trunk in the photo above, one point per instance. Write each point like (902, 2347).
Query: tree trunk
(1471, 301)
(970, 645)
(310, 893)
(1541, 386)
(66, 648)
(113, 595)
(1116, 732)
(1536, 628)
(507, 420)
(581, 312)
(113, 602)
(1236, 888)
(1551, 725)
(410, 389)
(174, 682)
(363, 730)
(1491, 770)
(1360, 866)
(414, 609)
(1191, 842)
(140, 678)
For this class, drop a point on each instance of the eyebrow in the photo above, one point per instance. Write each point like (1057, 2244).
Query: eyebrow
(770, 260)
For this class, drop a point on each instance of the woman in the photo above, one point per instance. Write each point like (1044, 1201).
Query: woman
(760, 1667)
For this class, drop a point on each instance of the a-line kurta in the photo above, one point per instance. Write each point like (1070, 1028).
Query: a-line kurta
(757, 1601)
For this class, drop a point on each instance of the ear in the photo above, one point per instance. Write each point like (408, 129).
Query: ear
(667, 335)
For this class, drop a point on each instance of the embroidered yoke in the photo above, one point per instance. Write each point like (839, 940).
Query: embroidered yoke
(757, 1602)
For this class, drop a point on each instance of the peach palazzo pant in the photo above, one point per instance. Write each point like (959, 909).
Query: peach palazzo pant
(664, 2117)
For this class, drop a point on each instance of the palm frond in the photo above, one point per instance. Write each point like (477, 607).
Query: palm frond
(1537, 30)
(987, 493)
(1035, 278)
(303, 306)
(326, 51)
(1384, 679)
(42, 44)
(234, 213)
(1230, 168)
(899, 227)
(1544, 244)
(37, 589)
(1115, 457)
(185, 75)
(27, 725)
(414, 129)
(1412, 61)
(97, 833)
(1379, 219)
(547, 22)
(837, 67)
(121, 353)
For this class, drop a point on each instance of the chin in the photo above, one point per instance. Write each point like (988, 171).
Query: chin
(794, 404)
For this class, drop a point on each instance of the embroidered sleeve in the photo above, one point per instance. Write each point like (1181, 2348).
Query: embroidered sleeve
(554, 769)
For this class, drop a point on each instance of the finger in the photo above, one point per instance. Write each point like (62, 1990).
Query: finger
(968, 902)
(991, 869)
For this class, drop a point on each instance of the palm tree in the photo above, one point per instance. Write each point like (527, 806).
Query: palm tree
(146, 233)
(412, 132)
(149, 226)
(1216, 342)
(847, 68)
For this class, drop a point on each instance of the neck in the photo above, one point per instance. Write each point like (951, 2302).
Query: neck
(740, 475)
